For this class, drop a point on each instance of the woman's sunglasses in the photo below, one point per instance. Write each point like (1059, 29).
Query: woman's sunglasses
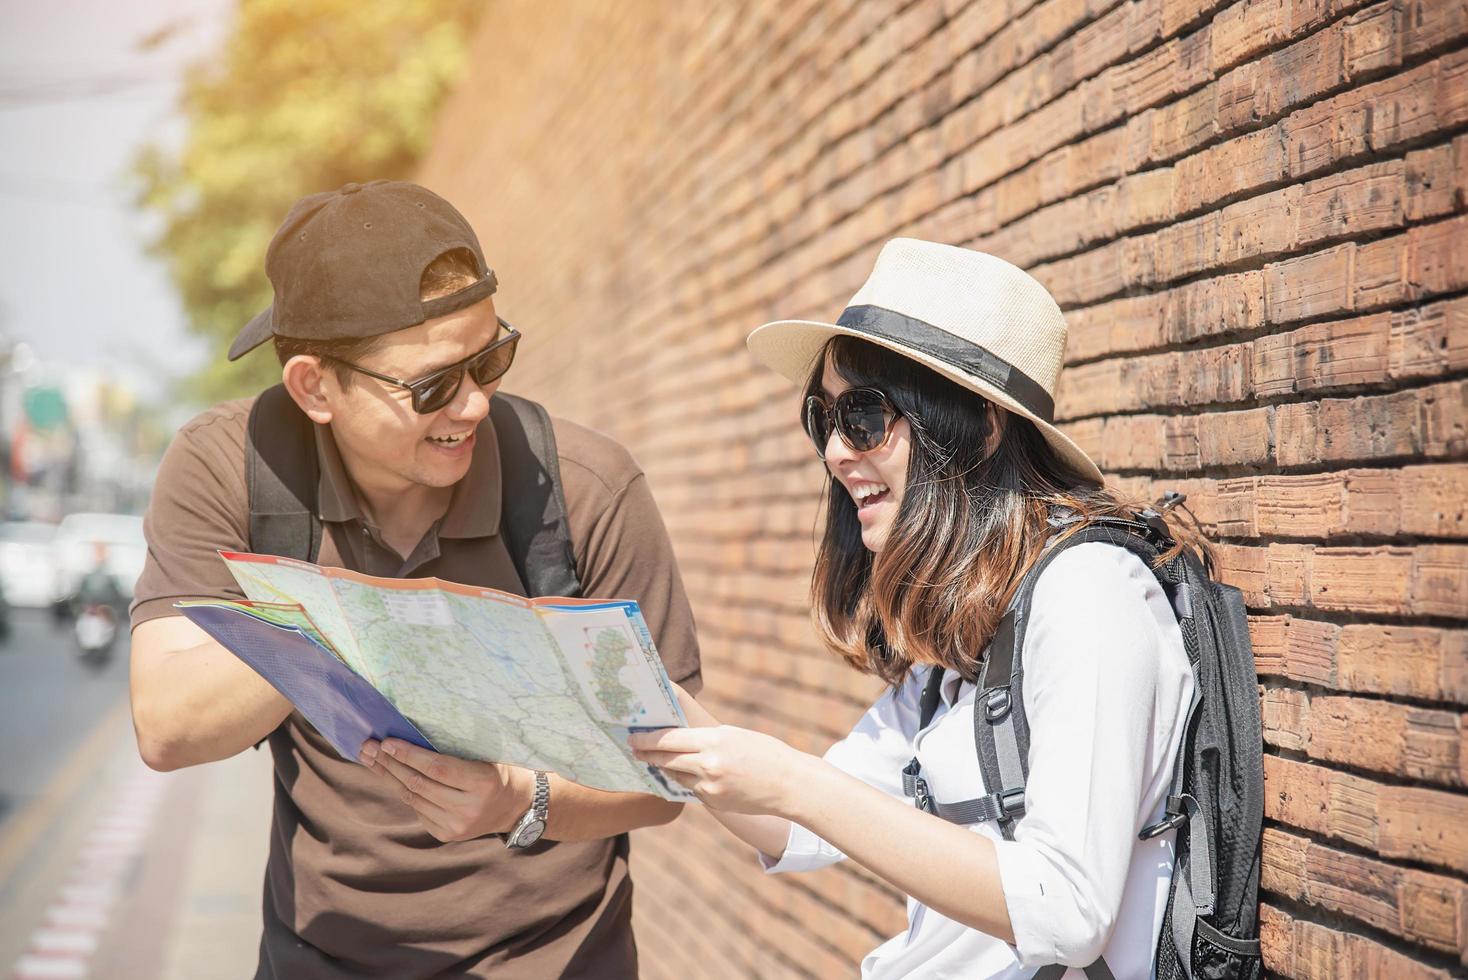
(862, 417)
(433, 391)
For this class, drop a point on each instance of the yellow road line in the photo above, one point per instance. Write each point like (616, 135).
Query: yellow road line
(23, 830)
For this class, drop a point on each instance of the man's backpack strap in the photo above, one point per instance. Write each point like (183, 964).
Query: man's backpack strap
(281, 475)
(533, 518)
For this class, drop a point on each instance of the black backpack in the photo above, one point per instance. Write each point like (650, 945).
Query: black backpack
(1216, 802)
(281, 474)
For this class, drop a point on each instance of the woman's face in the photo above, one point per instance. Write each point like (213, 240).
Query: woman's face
(875, 480)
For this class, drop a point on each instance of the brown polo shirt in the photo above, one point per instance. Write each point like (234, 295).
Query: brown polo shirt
(354, 886)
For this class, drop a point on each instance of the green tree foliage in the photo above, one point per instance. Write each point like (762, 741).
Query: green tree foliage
(306, 95)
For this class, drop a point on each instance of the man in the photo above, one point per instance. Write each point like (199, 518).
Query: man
(389, 867)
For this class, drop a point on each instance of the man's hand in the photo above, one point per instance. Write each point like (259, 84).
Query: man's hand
(455, 799)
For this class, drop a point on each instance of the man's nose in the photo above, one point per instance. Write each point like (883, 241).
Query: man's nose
(471, 402)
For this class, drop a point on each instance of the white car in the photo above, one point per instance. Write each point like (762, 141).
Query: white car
(26, 572)
(74, 550)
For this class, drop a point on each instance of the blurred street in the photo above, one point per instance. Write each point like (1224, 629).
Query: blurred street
(108, 869)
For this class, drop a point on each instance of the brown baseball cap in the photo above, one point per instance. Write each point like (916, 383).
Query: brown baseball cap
(346, 264)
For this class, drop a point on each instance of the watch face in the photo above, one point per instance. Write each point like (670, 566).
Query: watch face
(529, 832)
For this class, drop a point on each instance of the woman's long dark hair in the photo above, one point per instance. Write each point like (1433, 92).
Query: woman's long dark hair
(968, 527)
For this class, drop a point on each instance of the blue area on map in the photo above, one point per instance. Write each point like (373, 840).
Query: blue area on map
(345, 709)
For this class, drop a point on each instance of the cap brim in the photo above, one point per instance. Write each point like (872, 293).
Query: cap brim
(260, 329)
(791, 348)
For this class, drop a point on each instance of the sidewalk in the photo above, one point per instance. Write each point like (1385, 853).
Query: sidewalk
(118, 871)
(217, 932)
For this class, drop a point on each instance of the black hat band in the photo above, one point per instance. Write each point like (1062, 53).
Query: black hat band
(898, 328)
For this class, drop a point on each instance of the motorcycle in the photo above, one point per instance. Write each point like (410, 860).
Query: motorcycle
(96, 631)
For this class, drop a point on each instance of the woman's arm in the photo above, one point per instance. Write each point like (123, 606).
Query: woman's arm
(1104, 706)
(740, 773)
(763, 832)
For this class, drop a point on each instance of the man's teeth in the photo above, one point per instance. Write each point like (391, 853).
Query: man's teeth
(449, 440)
(868, 490)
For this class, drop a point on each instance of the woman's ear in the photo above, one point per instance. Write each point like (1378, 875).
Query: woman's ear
(998, 420)
(309, 387)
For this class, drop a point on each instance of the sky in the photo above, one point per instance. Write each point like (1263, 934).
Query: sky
(78, 98)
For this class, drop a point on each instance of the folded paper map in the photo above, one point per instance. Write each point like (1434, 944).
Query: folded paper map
(548, 683)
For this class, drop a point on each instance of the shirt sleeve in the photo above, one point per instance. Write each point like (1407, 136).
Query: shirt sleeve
(626, 553)
(198, 507)
(1094, 656)
(875, 752)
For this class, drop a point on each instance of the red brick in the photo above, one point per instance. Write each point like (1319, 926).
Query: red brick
(1310, 951)
(1430, 421)
(1432, 23)
(1401, 822)
(1413, 743)
(1362, 200)
(1418, 906)
(1324, 356)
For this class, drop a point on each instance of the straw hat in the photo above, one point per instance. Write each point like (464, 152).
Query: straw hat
(971, 317)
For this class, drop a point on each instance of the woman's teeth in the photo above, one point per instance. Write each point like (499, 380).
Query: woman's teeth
(449, 440)
(867, 492)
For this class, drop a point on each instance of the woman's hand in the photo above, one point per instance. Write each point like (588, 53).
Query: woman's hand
(698, 716)
(731, 769)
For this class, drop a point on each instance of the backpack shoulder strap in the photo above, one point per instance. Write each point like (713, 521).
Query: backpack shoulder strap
(1001, 728)
(281, 475)
(533, 518)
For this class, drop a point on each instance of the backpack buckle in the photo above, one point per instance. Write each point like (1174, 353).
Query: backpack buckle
(1011, 802)
(921, 798)
(997, 703)
(910, 778)
(917, 787)
(1161, 533)
(1177, 815)
(1168, 501)
(1162, 826)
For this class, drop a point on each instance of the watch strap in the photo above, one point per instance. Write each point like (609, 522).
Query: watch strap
(538, 813)
(541, 803)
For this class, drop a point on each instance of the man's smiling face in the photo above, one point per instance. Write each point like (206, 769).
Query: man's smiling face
(382, 440)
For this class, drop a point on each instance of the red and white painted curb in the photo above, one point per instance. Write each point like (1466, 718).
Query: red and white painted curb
(62, 947)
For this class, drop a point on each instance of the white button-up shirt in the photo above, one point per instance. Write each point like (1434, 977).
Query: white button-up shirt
(1107, 687)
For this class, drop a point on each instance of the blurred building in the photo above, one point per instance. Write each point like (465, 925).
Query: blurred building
(1253, 215)
(73, 440)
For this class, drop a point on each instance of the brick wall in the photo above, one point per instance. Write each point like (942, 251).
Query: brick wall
(1253, 215)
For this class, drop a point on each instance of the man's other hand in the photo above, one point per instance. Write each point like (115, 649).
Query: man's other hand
(455, 799)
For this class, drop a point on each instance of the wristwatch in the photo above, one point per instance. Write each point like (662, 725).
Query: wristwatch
(532, 825)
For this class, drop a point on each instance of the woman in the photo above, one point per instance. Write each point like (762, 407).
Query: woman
(930, 403)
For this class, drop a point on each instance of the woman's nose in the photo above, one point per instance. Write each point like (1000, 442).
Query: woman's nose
(837, 451)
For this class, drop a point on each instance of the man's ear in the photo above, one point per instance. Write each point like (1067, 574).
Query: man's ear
(309, 386)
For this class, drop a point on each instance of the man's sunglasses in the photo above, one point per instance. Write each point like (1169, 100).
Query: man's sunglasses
(862, 417)
(433, 391)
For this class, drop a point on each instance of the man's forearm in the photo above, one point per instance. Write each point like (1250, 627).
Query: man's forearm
(580, 813)
(198, 705)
